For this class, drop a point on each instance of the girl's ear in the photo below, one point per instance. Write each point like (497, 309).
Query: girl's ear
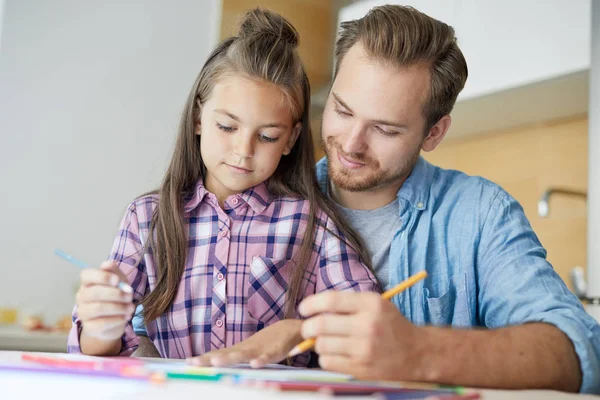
(292, 140)
(197, 129)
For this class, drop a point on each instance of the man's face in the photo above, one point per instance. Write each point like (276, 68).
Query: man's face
(373, 127)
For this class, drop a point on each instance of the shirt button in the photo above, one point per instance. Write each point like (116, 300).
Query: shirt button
(222, 234)
(234, 201)
(220, 276)
(420, 205)
(219, 323)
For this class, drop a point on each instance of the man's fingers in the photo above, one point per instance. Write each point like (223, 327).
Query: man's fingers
(336, 363)
(334, 346)
(330, 324)
(336, 302)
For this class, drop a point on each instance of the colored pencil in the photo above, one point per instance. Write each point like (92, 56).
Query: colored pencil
(122, 285)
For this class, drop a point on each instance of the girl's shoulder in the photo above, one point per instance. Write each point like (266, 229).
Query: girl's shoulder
(144, 206)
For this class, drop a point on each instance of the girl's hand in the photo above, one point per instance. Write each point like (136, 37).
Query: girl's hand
(103, 309)
(269, 345)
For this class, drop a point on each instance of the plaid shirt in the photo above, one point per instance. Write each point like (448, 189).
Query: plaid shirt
(237, 269)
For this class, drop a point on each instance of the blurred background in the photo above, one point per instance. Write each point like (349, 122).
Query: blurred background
(91, 94)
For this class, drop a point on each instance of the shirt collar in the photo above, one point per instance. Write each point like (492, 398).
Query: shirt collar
(257, 197)
(415, 189)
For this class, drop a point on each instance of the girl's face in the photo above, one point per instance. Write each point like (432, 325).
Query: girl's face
(245, 127)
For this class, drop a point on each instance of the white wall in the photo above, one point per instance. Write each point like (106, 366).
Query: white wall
(90, 97)
(508, 43)
(1, 19)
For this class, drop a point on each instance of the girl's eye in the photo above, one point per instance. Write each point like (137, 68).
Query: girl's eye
(225, 128)
(266, 138)
(342, 112)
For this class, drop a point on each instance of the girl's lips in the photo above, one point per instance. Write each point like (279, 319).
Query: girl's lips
(239, 170)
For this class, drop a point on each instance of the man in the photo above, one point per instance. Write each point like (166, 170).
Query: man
(398, 73)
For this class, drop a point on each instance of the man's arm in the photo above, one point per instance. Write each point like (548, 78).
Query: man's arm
(368, 337)
(517, 286)
(531, 356)
(538, 335)
(145, 348)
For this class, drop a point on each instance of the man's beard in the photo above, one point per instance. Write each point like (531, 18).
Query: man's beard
(343, 178)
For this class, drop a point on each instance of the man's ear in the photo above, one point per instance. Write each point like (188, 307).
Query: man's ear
(436, 133)
(292, 140)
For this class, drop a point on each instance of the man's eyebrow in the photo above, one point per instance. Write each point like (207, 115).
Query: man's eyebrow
(376, 121)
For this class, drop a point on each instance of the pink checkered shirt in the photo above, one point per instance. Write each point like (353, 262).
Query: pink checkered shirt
(237, 270)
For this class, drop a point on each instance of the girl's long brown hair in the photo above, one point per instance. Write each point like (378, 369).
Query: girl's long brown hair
(265, 49)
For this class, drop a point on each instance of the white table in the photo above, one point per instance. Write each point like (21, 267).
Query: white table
(13, 337)
(19, 385)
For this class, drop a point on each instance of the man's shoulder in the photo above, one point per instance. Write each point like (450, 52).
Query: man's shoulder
(321, 169)
(450, 184)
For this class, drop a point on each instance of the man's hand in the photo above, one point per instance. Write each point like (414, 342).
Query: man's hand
(363, 335)
(269, 345)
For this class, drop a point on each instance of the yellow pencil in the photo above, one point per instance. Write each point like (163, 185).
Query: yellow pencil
(309, 343)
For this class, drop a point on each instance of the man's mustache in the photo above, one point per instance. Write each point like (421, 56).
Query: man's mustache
(359, 157)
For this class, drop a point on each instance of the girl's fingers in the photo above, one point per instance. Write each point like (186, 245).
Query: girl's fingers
(105, 328)
(107, 275)
(100, 294)
(90, 311)
(233, 357)
(113, 267)
(263, 360)
(96, 276)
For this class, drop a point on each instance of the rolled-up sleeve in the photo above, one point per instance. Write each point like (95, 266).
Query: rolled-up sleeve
(126, 251)
(518, 285)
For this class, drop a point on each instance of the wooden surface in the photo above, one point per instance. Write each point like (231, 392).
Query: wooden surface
(314, 20)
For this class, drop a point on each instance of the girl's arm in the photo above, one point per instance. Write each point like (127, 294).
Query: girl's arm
(339, 266)
(104, 329)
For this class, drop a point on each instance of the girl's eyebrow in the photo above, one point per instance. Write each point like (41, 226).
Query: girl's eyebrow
(225, 112)
(236, 118)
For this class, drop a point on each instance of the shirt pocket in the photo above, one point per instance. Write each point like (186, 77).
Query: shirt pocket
(267, 289)
(452, 307)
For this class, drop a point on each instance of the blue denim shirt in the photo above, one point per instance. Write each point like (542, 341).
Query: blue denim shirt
(485, 265)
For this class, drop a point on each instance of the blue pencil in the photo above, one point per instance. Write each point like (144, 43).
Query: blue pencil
(122, 285)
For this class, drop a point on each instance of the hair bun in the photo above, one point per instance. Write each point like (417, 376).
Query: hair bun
(260, 23)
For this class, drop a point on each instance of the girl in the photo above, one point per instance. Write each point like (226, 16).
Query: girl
(238, 232)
